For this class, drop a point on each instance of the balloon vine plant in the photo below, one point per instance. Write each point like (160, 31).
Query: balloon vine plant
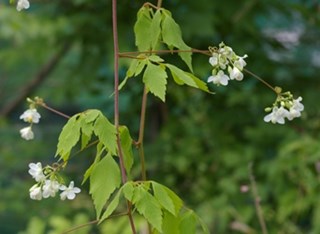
(156, 33)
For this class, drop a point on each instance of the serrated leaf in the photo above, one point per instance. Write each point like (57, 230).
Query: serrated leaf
(126, 145)
(155, 29)
(160, 193)
(155, 79)
(149, 207)
(111, 207)
(106, 132)
(68, 137)
(142, 29)
(104, 180)
(182, 77)
(172, 37)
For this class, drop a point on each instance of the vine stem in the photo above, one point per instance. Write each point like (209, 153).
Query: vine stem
(141, 133)
(257, 200)
(54, 110)
(128, 54)
(116, 105)
(91, 222)
(159, 3)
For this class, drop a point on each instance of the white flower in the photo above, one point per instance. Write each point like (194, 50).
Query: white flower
(69, 192)
(35, 192)
(30, 116)
(226, 50)
(50, 188)
(36, 171)
(219, 79)
(22, 4)
(296, 108)
(277, 115)
(27, 133)
(213, 60)
(240, 63)
(235, 73)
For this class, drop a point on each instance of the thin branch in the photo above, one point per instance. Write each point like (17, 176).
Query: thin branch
(257, 200)
(80, 226)
(116, 104)
(261, 80)
(129, 54)
(43, 73)
(159, 3)
(141, 133)
(54, 110)
(92, 222)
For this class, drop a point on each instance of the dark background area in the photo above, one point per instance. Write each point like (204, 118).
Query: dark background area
(199, 145)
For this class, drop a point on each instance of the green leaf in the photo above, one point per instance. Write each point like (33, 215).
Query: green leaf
(111, 207)
(106, 132)
(68, 137)
(104, 180)
(171, 224)
(149, 207)
(100, 150)
(160, 193)
(142, 29)
(135, 68)
(128, 191)
(126, 145)
(86, 132)
(177, 202)
(188, 223)
(155, 29)
(155, 58)
(172, 37)
(182, 77)
(90, 115)
(155, 79)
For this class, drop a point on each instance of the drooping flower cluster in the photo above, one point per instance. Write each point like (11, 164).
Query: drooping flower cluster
(48, 184)
(227, 65)
(285, 107)
(22, 4)
(30, 116)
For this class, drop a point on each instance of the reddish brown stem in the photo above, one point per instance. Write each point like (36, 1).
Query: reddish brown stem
(116, 104)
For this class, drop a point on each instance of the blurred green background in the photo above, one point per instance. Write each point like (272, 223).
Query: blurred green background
(197, 144)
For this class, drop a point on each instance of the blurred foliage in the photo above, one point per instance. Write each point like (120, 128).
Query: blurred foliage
(197, 144)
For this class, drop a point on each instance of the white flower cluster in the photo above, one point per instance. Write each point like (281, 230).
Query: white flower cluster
(224, 59)
(47, 184)
(22, 4)
(285, 107)
(30, 116)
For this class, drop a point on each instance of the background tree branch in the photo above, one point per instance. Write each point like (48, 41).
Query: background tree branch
(42, 74)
